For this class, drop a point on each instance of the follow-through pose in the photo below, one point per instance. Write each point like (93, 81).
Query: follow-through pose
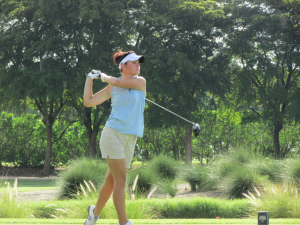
(124, 125)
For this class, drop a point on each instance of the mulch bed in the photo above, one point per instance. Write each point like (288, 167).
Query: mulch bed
(12, 171)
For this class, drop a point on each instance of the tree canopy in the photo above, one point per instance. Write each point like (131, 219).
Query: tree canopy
(245, 53)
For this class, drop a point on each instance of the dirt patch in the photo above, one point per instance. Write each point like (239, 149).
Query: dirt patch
(49, 195)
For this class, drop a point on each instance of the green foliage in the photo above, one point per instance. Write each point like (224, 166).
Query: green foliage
(265, 82)
(200, 208)
(161, 172)
(146, 180)
(22, 140)
(240, 182)
(272, 169)
(10, 206)
(198, 177)
(165, 167)
(73, 145)
(231, 162)
(281, 200)
(292, 171)
(165, 140)
(234, 174)
(81, 172)
(154, 221)
(168, 186)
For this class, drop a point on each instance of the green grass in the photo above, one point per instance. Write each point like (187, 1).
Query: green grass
(151, 221)
(26, 185)
(81, 172)
(200, 208)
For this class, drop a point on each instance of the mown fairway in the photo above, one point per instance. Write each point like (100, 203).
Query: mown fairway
(151, 221)
(26, 185)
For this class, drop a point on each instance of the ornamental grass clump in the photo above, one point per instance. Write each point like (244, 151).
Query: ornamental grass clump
(241, 181)
(235, 173)
(231, 162)
(145, 182)
(272, 169)
(282, 200)
(197, 176)
(165, 167)
(168, 186)
(10, 205)
(292, 171)
(80, 175)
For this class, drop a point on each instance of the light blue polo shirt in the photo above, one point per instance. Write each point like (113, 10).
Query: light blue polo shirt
(127, 114)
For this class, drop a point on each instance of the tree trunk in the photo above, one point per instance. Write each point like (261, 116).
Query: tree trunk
(46, 170)
(188, 150)
(92, 144)
(277, 129)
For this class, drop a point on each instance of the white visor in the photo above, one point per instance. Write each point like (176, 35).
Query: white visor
(132, 57)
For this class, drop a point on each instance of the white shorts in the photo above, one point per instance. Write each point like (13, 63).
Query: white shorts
(115, 145)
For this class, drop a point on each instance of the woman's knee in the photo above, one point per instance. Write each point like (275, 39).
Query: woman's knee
(120, 181)
(109, 180)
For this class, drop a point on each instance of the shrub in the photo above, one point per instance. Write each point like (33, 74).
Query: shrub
(80, 172)
(269, 168)
(197, 176)
(292, 171)
(168, 186)
(22, 140)
(164, 166)
(240, 182)
(280, 199)
(241, 156)
(228, 164)
(147, 178)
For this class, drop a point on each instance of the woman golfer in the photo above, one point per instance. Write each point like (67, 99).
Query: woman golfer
(124, 125)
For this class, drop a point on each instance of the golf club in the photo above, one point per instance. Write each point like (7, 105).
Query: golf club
(195, 127)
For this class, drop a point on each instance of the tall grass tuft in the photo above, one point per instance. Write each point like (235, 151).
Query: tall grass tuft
(168, 186)
(272, 169)
(292, 171)
(146, 180)
(280, 199)
(241, 181)
(10, 206)
(236, 173)
(81, 173)
(197, 176)
(165, 166)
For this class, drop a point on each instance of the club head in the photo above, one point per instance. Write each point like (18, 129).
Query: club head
(196, 129)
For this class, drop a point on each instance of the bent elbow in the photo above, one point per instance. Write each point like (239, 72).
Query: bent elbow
(85, 104)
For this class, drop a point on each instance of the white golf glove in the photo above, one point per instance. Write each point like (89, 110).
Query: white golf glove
(96, 74)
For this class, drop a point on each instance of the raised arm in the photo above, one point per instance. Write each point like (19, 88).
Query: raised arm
(138, 83)
(89, 99)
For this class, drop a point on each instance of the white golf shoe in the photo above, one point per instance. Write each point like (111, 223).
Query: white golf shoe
(128, 223)
(92, 218)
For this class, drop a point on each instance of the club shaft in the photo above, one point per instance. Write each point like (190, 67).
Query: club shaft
(170, 111)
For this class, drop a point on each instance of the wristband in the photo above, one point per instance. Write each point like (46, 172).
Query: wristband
(103, 77)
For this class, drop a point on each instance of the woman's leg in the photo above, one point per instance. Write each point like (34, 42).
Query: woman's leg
(104, 193)
(118, 171)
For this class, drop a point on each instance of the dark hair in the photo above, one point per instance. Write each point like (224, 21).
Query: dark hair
(119, 55)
